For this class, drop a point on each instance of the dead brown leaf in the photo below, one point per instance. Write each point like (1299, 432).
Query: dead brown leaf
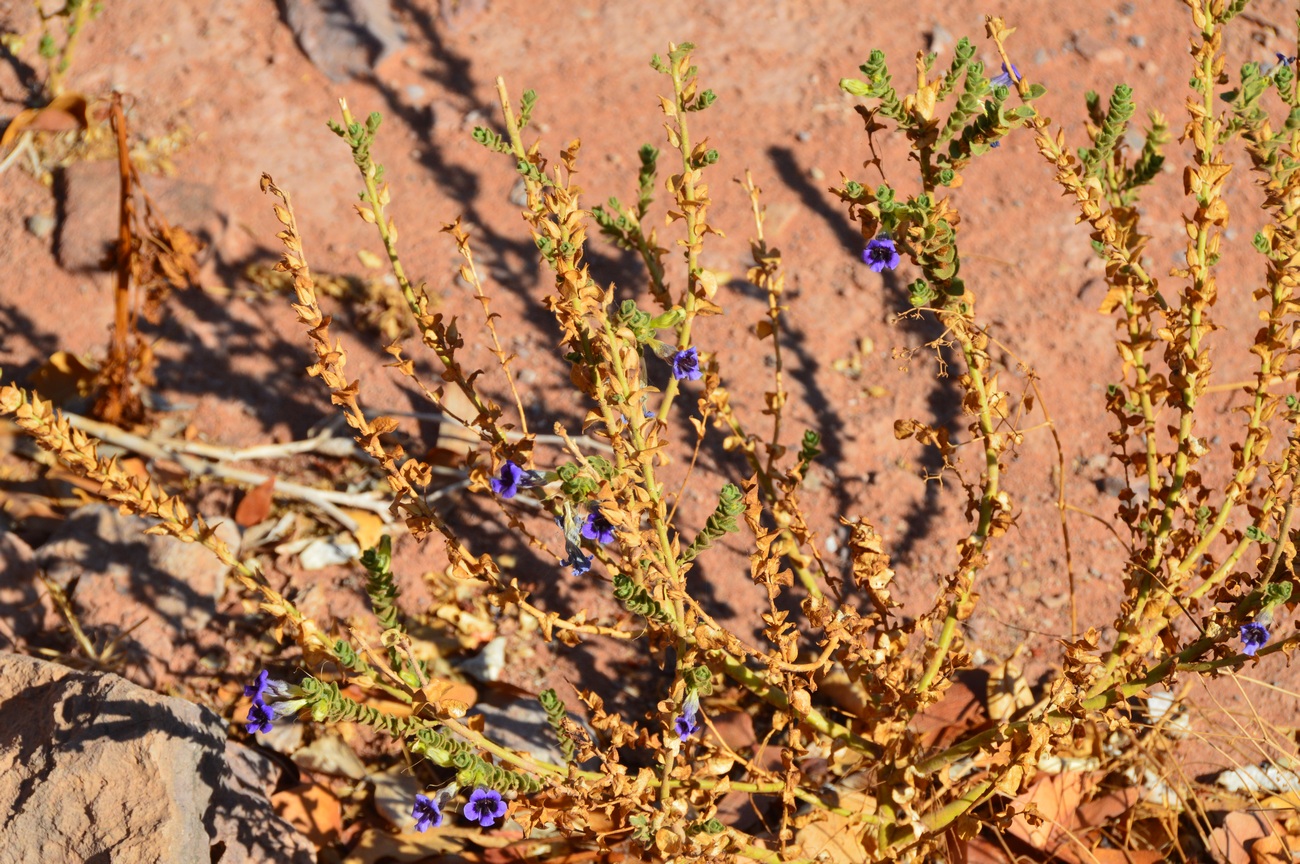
(942, 723)
(835, 837)
(65, 112)
(981, 851)
(255, 505)
(1055, 798)
(64, 377)
(1111, 805)
(370, 528)
(312, 809)
(1240, 832)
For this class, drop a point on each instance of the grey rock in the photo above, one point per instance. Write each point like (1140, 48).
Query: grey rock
(940, 39)
(487, 664)
(343, 38)
(41, 225)
(94, 768)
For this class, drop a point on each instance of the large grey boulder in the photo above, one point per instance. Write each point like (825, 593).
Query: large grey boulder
(96, 769)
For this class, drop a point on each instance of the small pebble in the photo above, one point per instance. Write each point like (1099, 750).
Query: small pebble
(816, 173)
(519, 194)
(940, 39)
(1137, 40)
(803, 136)
(41, 225)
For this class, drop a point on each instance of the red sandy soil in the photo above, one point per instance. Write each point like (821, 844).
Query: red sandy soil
(232, 74)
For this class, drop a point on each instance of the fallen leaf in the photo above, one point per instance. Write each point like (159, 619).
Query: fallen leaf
(1056, 799)
(312, 809)
(255, 505)
(370, 527)
(1275, 849)
(1240, 828)
(328, 754)
(832, 837)
(376, 845)
(1103, 808)
(957, 712)
(981, 851)
(1125, 856)
(64, 113)
(63, 377)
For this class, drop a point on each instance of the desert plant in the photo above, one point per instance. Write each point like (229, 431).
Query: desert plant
(1217, 555)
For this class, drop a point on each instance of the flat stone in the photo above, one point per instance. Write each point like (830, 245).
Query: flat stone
(94, 768)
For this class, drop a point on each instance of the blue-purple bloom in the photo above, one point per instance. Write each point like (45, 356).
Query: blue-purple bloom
(485, 807)
(598, 528)
(1284, 60)
(509, 480)
(260, 716)
(258, 688)
(686, 365)
(881, 254)
(427, 813)
(687, 723)
(1254, 636)
(1008, 78)
(578, 561)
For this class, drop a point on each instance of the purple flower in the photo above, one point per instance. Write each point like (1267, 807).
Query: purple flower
(579, 562)
(258, 688)
(1254, 636)
(485, 807)
(1008, 78)
(260, 716)
(1284, 60)
(881, 254)
(598, 528)
(686, 365)
(427, 813)
(686, 724)
(508, 482)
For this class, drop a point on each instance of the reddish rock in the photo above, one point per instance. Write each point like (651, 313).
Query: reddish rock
(94, 768)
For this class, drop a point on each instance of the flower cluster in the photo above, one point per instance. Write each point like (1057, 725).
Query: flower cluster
(485, 807)
(284, 700)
